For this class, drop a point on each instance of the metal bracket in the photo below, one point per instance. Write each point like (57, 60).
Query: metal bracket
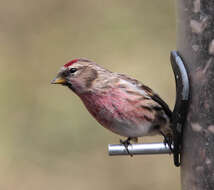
(178, 119)
(181, 105)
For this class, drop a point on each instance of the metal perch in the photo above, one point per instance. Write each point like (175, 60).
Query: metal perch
(138, 149)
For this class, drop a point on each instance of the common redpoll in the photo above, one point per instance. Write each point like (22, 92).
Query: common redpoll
(119, 103)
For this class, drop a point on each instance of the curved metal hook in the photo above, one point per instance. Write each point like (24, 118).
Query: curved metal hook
(181, 104)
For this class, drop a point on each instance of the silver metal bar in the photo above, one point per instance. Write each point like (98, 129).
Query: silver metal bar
(138, 149)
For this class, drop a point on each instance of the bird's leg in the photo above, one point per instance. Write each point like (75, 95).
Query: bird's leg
(126, 143)
(167, 140)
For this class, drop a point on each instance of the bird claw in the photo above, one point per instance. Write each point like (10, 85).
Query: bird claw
(168, 141)
(126, 143)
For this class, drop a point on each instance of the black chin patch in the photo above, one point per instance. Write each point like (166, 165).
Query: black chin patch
(69, 85)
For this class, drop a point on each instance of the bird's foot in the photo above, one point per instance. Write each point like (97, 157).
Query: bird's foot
(168, 140)
(126, 143)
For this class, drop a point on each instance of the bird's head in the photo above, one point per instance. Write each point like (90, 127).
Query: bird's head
(78, 75)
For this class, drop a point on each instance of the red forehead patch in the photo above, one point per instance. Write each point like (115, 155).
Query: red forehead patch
(71, 62)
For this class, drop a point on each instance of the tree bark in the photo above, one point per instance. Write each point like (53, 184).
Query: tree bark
(195, 43)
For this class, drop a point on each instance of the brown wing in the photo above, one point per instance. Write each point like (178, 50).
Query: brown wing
(149, 91)
(165, 107)
(158, 99)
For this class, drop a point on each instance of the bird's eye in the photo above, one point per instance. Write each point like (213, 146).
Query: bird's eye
(72, 70)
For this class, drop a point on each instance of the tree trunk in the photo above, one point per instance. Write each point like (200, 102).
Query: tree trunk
(195, 43)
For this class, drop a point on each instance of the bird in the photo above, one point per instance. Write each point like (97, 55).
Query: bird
(118, 102)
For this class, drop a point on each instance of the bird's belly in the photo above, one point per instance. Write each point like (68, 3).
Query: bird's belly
(119, 116)
(120, 124)
(129, 129)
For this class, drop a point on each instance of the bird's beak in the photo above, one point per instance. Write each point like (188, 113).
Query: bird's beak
(58, 80)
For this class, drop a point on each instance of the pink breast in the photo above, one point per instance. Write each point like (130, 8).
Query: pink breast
(114, 106)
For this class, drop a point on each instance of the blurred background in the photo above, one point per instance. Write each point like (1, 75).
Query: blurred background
(48, 140)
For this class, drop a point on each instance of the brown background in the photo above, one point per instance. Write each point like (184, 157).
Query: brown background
(48, 140)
